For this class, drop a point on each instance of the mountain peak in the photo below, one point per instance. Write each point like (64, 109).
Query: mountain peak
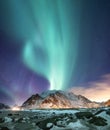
(58, 99)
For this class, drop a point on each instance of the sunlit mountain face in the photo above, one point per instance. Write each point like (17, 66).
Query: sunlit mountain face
(54, 45)
(55, 99)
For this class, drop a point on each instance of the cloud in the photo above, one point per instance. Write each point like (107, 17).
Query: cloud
(96, 91)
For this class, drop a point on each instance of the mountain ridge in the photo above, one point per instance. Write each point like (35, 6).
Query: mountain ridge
(4, 106)
(58, 99)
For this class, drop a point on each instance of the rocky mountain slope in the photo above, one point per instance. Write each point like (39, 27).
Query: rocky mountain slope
(107, 103)
(58, 99)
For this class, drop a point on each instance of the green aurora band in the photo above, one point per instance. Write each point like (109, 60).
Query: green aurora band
(50, 29)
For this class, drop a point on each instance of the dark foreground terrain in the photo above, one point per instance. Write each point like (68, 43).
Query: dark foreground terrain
(56, 119)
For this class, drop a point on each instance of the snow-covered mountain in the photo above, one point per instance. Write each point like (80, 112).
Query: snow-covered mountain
(58, 99)
(3, 106)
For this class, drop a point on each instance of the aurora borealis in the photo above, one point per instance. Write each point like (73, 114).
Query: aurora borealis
(52, 44)
(49, 44)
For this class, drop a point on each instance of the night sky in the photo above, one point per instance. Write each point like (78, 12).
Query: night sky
(54, 44)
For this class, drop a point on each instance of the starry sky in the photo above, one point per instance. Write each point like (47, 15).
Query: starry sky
(54, 44)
